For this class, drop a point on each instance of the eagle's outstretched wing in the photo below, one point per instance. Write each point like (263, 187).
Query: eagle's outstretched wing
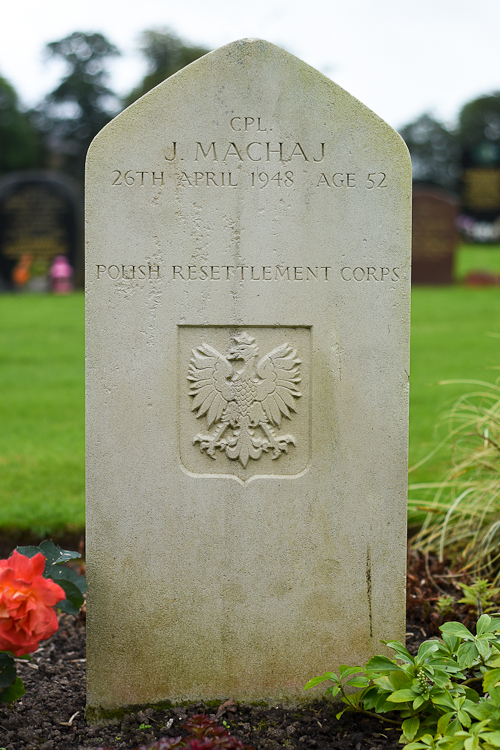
(277, 390)
(211, 391)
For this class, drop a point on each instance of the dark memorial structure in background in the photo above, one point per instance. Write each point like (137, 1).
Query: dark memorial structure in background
(434, 235)
(479, 219)
(40, 219)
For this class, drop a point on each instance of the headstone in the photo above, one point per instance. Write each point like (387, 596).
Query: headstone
(479, 219)
(434, 236)
(247, 268)
(40, 218)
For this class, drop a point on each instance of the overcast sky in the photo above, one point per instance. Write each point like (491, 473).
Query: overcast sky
(399, 57)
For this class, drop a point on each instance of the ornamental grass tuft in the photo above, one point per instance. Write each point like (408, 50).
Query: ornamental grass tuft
(462, 512)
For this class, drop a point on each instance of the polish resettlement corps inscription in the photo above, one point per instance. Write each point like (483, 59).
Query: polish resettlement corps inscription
(244, 404)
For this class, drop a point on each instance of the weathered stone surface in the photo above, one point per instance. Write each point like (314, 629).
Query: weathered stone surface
(248, 243)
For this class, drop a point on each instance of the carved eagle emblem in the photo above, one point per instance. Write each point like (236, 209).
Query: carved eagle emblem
(244, 404)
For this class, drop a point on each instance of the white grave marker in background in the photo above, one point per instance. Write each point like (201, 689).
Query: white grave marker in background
(248, 244)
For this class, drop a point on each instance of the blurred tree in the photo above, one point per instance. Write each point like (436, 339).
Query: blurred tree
(82, 104)
(165, 53)
(20, 145)
(435, 152)
(479, 120)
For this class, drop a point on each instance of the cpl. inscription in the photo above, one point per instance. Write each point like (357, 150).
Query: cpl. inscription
(244, 404)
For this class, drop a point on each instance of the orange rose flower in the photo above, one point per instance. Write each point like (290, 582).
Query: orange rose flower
(27, 602)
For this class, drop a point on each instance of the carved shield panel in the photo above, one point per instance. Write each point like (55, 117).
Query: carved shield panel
(244, 400)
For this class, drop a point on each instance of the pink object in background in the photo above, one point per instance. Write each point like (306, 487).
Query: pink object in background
(60, 276)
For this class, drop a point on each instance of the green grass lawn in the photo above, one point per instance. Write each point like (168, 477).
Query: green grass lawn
(477, 258)
(42, 412)
(451, 338)
(42, 392)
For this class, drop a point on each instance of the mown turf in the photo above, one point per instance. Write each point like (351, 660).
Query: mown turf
(41, 412)
(42, 393)
(477, 258)
(455, 335)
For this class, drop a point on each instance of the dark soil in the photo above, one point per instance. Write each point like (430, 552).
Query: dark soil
(51, 716)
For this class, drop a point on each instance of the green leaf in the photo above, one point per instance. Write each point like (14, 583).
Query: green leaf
(467, 654)
(381, 705)
(471, 743)
(321, 678)
(443, 698)
(481, 710)
(441, 679)
(419, 701)
(451, 641)
(55, 555)
(456, 629)
(495, 696)
(425, 649)
(483, 647)
(401, 651)
(381, 664)
(443, 722)
(28, 551)
(492, 737)
(494, 626)
(7, 675)
(464, 718)
(74, 600)
(483, 624)
(399, 680)
(359, 682)
(471, 694)
(59, 574)
(401, 696)
(12, 693)
(410, 727)
(345, 671)
(453, 728)
(490, 680)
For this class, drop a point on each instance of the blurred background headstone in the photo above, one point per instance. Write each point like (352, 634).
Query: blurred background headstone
(40, 219)
(480, 192)
(434, 235)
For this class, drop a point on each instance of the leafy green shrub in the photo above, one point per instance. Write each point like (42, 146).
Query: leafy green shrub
(463, 512)
(430, 695)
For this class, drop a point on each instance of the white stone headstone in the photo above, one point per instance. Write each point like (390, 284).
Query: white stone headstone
(248, 244)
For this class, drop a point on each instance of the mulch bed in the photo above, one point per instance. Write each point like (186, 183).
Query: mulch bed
(51, 716)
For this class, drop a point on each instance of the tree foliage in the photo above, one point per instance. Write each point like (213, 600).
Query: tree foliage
(165, 53)
(479, 120)
(20, 146)
(82, 104)
(435, 152)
